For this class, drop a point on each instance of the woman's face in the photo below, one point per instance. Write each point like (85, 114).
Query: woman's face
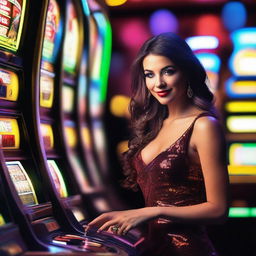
(165, 81)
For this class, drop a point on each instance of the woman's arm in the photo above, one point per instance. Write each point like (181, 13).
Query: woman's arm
(208, 142)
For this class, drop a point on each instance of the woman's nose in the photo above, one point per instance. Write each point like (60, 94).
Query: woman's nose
(160, 82)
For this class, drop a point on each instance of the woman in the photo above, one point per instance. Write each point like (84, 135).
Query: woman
(176, 154)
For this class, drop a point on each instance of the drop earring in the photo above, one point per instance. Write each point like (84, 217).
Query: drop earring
(190, 92)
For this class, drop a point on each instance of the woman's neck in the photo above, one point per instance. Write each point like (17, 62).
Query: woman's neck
(180, 110)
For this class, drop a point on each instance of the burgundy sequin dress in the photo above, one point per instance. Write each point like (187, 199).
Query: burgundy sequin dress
(171, 180)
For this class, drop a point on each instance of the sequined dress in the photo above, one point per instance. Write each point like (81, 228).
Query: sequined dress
(171, 180)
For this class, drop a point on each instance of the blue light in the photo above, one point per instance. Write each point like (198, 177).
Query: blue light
(232, 92)
(162, 21)
(234, 15)
(244, 38)
(210, 62)
(86, 7)
(202, 42)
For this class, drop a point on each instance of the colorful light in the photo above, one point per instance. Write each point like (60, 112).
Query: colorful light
(241, 124)
(244, 38)
(243, 59)
(202, 42)
(234, 15)
(133, 33)
(242, 212)
(244, 63)
(115, 2)
(242, 171)
(210, 61)
(241, 89)
(240, 106)
(242, 154)
(162, 21)
(119, 105)
(105, 32)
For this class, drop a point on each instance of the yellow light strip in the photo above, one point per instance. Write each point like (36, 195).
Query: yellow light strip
(242, 170)
(241, 124)
(240, 106)
(244, 87)
(115, 2)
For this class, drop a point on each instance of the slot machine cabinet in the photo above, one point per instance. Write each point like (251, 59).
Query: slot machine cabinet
(10, 237)
(12, 242)
(12, 121)
(56, 166)
(29, 189)
(58, 123)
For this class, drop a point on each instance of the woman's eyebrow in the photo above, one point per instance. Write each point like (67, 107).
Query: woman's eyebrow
(168, 66)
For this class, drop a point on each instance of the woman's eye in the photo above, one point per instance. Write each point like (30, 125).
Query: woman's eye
(169, 71)
(149, 75)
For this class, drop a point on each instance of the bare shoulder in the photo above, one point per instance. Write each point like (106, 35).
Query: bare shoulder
(205, 123)
(208, 128)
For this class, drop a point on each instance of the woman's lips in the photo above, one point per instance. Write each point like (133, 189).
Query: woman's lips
(163, 93)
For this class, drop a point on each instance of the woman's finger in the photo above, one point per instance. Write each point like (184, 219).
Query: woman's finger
(99, 219)
(124, 229)
(107, 224)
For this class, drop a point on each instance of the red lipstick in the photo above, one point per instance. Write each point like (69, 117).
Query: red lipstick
(163, 93)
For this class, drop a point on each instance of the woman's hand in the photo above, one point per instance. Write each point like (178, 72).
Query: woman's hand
(120, 222)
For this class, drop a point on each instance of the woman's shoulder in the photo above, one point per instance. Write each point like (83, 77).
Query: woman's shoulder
(208, 125)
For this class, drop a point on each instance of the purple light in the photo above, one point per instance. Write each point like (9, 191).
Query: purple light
(162, 21)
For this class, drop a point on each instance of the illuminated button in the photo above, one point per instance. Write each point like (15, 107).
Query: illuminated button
(241, 124)
(242, 154)
(241, 89)
(202, 42)
(240, 106)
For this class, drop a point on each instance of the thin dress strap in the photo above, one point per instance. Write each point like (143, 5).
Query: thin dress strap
(190, 129)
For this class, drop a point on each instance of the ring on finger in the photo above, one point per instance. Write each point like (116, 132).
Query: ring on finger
(115, 228)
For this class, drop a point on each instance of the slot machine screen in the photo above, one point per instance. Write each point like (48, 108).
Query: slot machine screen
(22, 183)
(71, 44)
(9, 85)
(11, 23)
(2, 221)
(71, 134)
(57, 178)
(68, 98)
(47, 133)
(9, 133)
(46, 88)
(53, 31)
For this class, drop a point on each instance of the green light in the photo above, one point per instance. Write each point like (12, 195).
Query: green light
(106, 33)
(242, 212)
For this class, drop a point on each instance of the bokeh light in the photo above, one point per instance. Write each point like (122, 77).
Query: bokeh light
(115, 2)
(162, 21)
(234, 15)
(133, 32)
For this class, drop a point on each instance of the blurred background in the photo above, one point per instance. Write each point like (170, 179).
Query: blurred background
(223, 36)
(64, 119)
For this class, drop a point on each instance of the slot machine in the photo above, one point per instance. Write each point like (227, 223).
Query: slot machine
(57, 132)
(10, 236)
(29, 176)
(240, 121)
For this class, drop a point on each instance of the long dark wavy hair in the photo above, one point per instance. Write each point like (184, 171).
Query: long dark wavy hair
(147, 114)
